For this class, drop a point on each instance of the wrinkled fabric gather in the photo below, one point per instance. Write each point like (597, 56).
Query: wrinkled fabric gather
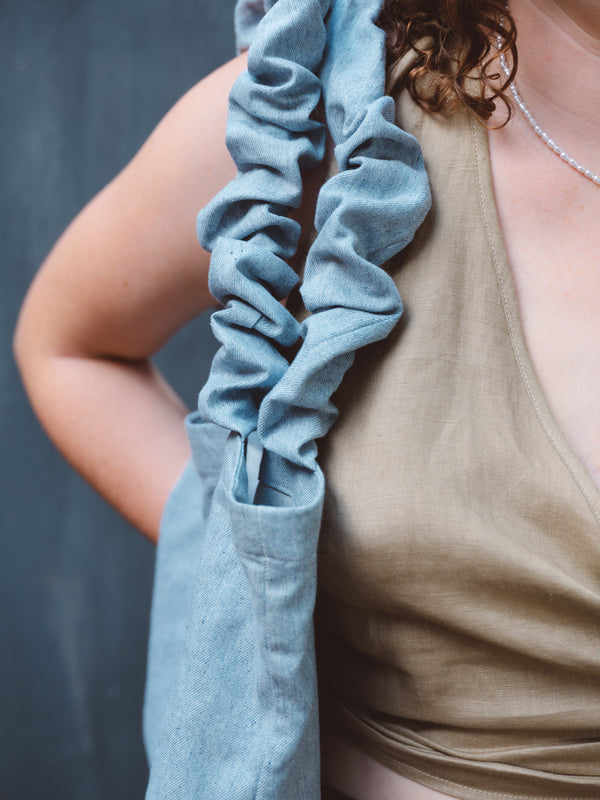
(231, 696)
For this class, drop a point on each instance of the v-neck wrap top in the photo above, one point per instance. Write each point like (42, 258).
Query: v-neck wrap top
(459, 561)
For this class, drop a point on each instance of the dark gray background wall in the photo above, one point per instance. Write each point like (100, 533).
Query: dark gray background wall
(82, 83)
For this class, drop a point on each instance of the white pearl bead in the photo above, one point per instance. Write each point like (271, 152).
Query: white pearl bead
(538, 128)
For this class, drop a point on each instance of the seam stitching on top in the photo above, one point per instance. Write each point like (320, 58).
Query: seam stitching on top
(487, 792)
(565, 457)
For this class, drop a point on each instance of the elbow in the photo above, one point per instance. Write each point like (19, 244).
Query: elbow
(20, 346)
(29, 345)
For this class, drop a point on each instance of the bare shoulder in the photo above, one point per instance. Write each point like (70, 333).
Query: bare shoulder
(129, 270)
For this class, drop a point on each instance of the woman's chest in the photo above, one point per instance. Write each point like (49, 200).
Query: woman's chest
(550, 220)
(456, 433)
(457, 512)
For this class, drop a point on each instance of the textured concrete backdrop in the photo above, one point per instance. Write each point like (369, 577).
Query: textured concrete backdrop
(82, 83)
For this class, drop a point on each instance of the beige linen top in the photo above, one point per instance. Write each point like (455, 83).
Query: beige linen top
(459, 603)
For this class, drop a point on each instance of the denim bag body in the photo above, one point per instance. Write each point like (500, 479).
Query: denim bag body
(231, 703)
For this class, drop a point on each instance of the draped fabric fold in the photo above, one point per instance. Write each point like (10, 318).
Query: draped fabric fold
(239, 717)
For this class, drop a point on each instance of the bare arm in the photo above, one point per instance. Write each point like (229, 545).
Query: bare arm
(125, 275)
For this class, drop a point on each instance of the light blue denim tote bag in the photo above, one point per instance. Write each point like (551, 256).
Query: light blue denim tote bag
(231, 702)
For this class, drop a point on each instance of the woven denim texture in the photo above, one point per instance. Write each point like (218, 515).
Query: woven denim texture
(231, 705)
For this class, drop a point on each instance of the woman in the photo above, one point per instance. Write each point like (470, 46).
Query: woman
(458, 614)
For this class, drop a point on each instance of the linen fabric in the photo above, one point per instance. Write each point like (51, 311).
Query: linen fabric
(459, 562)
(232, 708)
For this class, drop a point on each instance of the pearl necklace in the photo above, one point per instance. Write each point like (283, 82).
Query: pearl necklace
(557, 149)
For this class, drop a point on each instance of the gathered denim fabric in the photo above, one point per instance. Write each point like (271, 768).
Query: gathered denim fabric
(246, 17)
(231, 703)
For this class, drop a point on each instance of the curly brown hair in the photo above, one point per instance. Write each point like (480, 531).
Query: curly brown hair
(456, 42)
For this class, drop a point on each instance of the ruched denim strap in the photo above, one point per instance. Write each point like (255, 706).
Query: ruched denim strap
(241, 718)
(247, 15)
